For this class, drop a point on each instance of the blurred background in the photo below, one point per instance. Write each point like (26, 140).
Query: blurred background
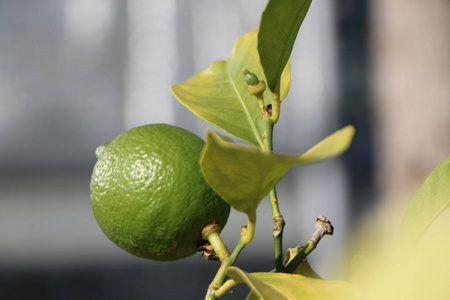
(76, 73)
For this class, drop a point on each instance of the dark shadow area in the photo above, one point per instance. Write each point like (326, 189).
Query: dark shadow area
(354, 69)
(189, 281)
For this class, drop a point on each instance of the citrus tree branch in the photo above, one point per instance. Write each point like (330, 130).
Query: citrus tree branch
(278, 220)
(277, 231)
(247, 234)
(225, 287)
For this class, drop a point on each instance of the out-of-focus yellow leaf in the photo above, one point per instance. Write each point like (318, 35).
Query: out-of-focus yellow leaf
(430, 201)
(418, 266)
(422, 274)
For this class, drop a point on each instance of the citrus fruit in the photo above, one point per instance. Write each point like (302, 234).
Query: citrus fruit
(148, 193)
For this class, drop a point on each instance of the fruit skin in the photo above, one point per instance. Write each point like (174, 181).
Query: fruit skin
(149, 196)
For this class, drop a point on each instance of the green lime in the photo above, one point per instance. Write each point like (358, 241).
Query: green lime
(148, 193)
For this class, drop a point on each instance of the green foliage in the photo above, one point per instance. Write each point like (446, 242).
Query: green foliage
(219, 94)
(291, 286)
(244, 175)
(280, 23)
(429, 202)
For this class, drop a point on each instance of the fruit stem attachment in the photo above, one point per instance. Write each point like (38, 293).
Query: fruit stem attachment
(211, 234)
(323, 227)
(247, 233)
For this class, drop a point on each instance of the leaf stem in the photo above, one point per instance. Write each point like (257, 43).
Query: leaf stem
(278, 220)
(275, 116)
(262, 107)
(268, 135)
(247, 234)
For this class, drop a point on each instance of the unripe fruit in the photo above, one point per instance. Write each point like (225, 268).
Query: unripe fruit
(148, 193)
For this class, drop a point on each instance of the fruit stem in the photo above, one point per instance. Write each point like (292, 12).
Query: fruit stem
(277, 217)
(323, 227)
(247, 233)
(211, 234)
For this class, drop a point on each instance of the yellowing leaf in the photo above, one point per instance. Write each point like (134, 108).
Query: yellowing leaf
(219, 94)
(243, 175)
(420, 274)
(419, 266)
(430, 201)
(284, 286)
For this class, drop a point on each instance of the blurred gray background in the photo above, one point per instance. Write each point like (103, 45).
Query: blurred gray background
(76, 73)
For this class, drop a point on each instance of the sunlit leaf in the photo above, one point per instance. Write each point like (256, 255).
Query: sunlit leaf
(331, 146)
(219, 94)
(292, 286)
(243, 175)
(430, 201)
(362, 267)
(280, 23)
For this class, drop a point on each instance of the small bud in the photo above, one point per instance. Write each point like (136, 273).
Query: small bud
(257, 89)
(250, 78)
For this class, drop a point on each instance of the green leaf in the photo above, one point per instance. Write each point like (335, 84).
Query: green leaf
(219, 94)
(243, 175)
(430, 201)
(304, 268)
(291, 286)
(280, 23)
